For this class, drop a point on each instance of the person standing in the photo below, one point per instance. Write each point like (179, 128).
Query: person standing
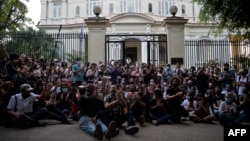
(78, 72)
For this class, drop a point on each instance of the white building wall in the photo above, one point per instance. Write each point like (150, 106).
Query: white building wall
(72, 23)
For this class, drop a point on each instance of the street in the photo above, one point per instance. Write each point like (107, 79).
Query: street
(55, 131)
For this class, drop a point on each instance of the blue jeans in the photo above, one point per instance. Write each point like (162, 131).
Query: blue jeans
(87, 125)
(224, 120)
(160, 119)
(240, 118)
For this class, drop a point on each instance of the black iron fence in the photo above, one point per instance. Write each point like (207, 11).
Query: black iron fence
(67, 46)
(217, 52)
(72, 45)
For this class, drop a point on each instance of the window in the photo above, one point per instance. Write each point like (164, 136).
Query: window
(163, 6)
(150, 9)
(111, 8)
(57, 9)
(166, 7)
(183, 9)
(131, 6)
(90, 4)
(77, 10)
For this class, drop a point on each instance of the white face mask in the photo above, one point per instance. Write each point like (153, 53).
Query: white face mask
(154, 97)
(64, 90)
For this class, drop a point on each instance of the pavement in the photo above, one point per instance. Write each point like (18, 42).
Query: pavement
(55, 131)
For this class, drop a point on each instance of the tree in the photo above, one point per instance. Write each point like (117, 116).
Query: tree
(13, 15)
(28, 41)
(231, 15)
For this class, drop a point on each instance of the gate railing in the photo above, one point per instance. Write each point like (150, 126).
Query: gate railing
(216, 52)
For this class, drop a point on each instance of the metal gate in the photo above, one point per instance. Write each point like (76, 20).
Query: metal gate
(139, 48)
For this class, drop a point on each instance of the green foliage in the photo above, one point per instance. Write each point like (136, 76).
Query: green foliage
(229, 14)
(31, 41)
(13, 15)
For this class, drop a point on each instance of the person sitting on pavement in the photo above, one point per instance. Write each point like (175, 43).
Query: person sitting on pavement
(89, 120)
(174, 97)
(202, 112)
(227, 110)
(158, 109)
(117, 110)
(137, 105)
(20, 107)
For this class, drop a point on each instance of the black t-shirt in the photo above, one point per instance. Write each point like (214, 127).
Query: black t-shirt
(158, 111)
(90, 105)
(175, 102)
(217, 100)
(137, 108)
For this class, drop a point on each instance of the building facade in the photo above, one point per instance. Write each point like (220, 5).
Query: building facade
(134, 25)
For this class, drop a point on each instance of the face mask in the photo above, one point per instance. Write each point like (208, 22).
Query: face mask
(164, 83)
(140, 94)
(175, 84)
(188, 97)
(190, 84)
(64, 90)
(151, 83)
(79, 62)
(154, 97)
(228, 100)
(225, 69)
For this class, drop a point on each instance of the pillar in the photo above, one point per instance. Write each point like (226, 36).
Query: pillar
(175, 39)
(96, 38)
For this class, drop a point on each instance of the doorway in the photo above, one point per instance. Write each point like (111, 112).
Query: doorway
(131, 52)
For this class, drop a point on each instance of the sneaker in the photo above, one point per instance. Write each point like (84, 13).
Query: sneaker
(43, 123)
(116, 132)
(98, 131)
(170, 121)
(142, 120)
(67, 121)
(155, 122)
(111, 130)
(131, 130)
(184, 118)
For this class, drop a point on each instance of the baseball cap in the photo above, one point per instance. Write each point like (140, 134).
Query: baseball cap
(26, 87)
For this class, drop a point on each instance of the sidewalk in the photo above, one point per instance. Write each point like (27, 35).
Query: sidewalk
(186, 131)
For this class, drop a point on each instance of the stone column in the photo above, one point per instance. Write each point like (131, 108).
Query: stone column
(96, 38)
(175, 38)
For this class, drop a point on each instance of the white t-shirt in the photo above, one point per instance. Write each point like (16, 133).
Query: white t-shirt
(224, 107)
(22, 105)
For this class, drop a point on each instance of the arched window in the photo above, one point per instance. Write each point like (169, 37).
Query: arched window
(183, 9)
(150, 7)
(111, 8)
(77, 10)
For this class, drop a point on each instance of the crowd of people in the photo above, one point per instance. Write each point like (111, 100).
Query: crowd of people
(104, 97)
